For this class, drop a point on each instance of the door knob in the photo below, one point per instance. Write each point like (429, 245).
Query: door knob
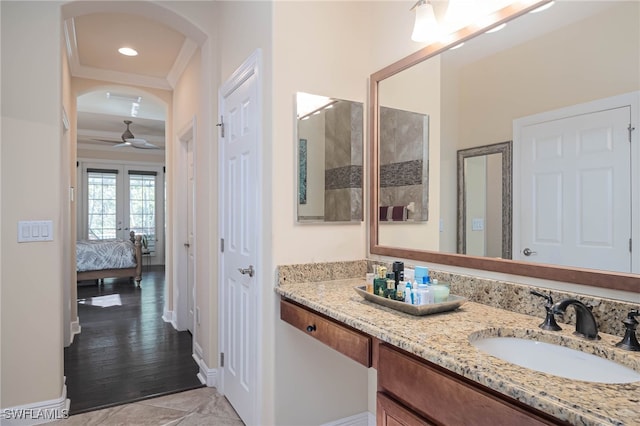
(245, 271)
(528, 252)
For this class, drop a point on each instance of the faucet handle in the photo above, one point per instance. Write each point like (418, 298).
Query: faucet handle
(630, 341)
(544, 296)
(549, 322)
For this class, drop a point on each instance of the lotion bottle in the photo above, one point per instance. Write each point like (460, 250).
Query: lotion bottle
(407, 293)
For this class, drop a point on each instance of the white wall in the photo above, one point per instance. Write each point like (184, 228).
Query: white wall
(32, 359)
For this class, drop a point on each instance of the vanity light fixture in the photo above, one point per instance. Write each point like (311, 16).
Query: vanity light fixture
(460, 13)
(426, 27)
(128, 51)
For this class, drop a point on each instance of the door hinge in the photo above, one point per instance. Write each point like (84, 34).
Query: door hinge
(222, 245)
(630, 246)
(221, 359)
(221, 125)
(631, 129)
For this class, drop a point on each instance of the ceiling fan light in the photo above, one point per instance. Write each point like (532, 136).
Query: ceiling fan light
(128, 51)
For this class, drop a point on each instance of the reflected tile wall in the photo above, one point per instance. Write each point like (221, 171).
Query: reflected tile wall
(343, 162)
(404, 162)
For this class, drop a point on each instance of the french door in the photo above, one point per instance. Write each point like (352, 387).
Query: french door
(119, 198)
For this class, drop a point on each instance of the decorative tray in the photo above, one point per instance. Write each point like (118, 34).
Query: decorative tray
(453, 302)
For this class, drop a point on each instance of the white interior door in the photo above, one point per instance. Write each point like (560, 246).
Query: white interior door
(239, 216)
(574, 171)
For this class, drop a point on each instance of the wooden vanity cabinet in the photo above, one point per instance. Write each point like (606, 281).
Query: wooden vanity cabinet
(415, 392)
(338, 336)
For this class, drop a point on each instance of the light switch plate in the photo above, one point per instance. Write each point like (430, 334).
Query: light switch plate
(477, 224)
(35, 230)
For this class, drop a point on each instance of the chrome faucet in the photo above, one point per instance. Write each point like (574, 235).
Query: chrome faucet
(586, 325)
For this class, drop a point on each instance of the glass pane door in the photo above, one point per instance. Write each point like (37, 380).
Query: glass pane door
(142, 206)
(102, 206)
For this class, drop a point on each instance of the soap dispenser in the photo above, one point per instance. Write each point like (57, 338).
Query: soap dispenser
(630, 341)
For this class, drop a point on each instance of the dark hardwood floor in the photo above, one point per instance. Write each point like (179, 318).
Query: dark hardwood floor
(125, 351)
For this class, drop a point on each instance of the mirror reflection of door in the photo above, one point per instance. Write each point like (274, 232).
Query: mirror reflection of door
(575, 190)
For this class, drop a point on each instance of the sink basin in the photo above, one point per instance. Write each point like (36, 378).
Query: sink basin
(557, 360)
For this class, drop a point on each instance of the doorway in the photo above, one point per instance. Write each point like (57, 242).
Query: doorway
(239, 201)
(179, 37)
(574, 188)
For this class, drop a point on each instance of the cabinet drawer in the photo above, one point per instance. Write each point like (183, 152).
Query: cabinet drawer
(445, 398)
(351, 343)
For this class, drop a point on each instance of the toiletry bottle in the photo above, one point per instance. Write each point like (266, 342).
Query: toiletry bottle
(398, 273)
(400, 290)
(390, 292)
(379, 286)
(407, 293)
(430, 293)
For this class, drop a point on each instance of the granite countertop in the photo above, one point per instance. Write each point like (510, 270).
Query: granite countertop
(444, 340)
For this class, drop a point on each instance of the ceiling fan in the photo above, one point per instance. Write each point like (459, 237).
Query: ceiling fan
(128, 139)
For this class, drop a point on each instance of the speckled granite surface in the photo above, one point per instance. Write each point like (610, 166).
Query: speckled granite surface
(444, 339)
(514, 297)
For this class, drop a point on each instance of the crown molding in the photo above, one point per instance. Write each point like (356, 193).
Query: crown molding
(189, 47)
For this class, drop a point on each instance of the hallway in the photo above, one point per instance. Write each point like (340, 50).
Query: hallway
(126, 352)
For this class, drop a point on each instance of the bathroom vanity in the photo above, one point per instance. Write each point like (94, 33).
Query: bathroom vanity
(430, 373)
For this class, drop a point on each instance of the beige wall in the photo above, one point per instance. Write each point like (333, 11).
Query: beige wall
(557, 70)
(187, 106)
(326, 55)
(31, 156)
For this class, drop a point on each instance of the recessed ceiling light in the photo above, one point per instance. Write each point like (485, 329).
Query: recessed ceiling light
(128, 51)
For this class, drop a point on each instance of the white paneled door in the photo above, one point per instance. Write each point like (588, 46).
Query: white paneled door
(240, 214)
(575, 191)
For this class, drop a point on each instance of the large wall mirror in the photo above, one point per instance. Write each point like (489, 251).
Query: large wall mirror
(544, 76)
(329, 144)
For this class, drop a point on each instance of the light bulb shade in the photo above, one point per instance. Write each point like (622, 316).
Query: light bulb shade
(425, 28)
(460, 13)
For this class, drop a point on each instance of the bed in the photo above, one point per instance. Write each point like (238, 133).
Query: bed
(100, 259)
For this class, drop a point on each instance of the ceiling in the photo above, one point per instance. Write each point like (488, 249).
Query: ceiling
(93, 41)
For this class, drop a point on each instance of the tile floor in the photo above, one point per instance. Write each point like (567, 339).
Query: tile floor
(198, 407)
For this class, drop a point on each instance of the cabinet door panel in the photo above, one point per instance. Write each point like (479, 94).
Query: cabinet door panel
(390, 413)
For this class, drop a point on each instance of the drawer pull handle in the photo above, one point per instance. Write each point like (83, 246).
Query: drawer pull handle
(311, 328)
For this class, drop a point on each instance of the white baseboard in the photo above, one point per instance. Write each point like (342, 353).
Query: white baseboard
(207, 376)
(168, 316)
(37, 412)
(362, 419)
(75, 329)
